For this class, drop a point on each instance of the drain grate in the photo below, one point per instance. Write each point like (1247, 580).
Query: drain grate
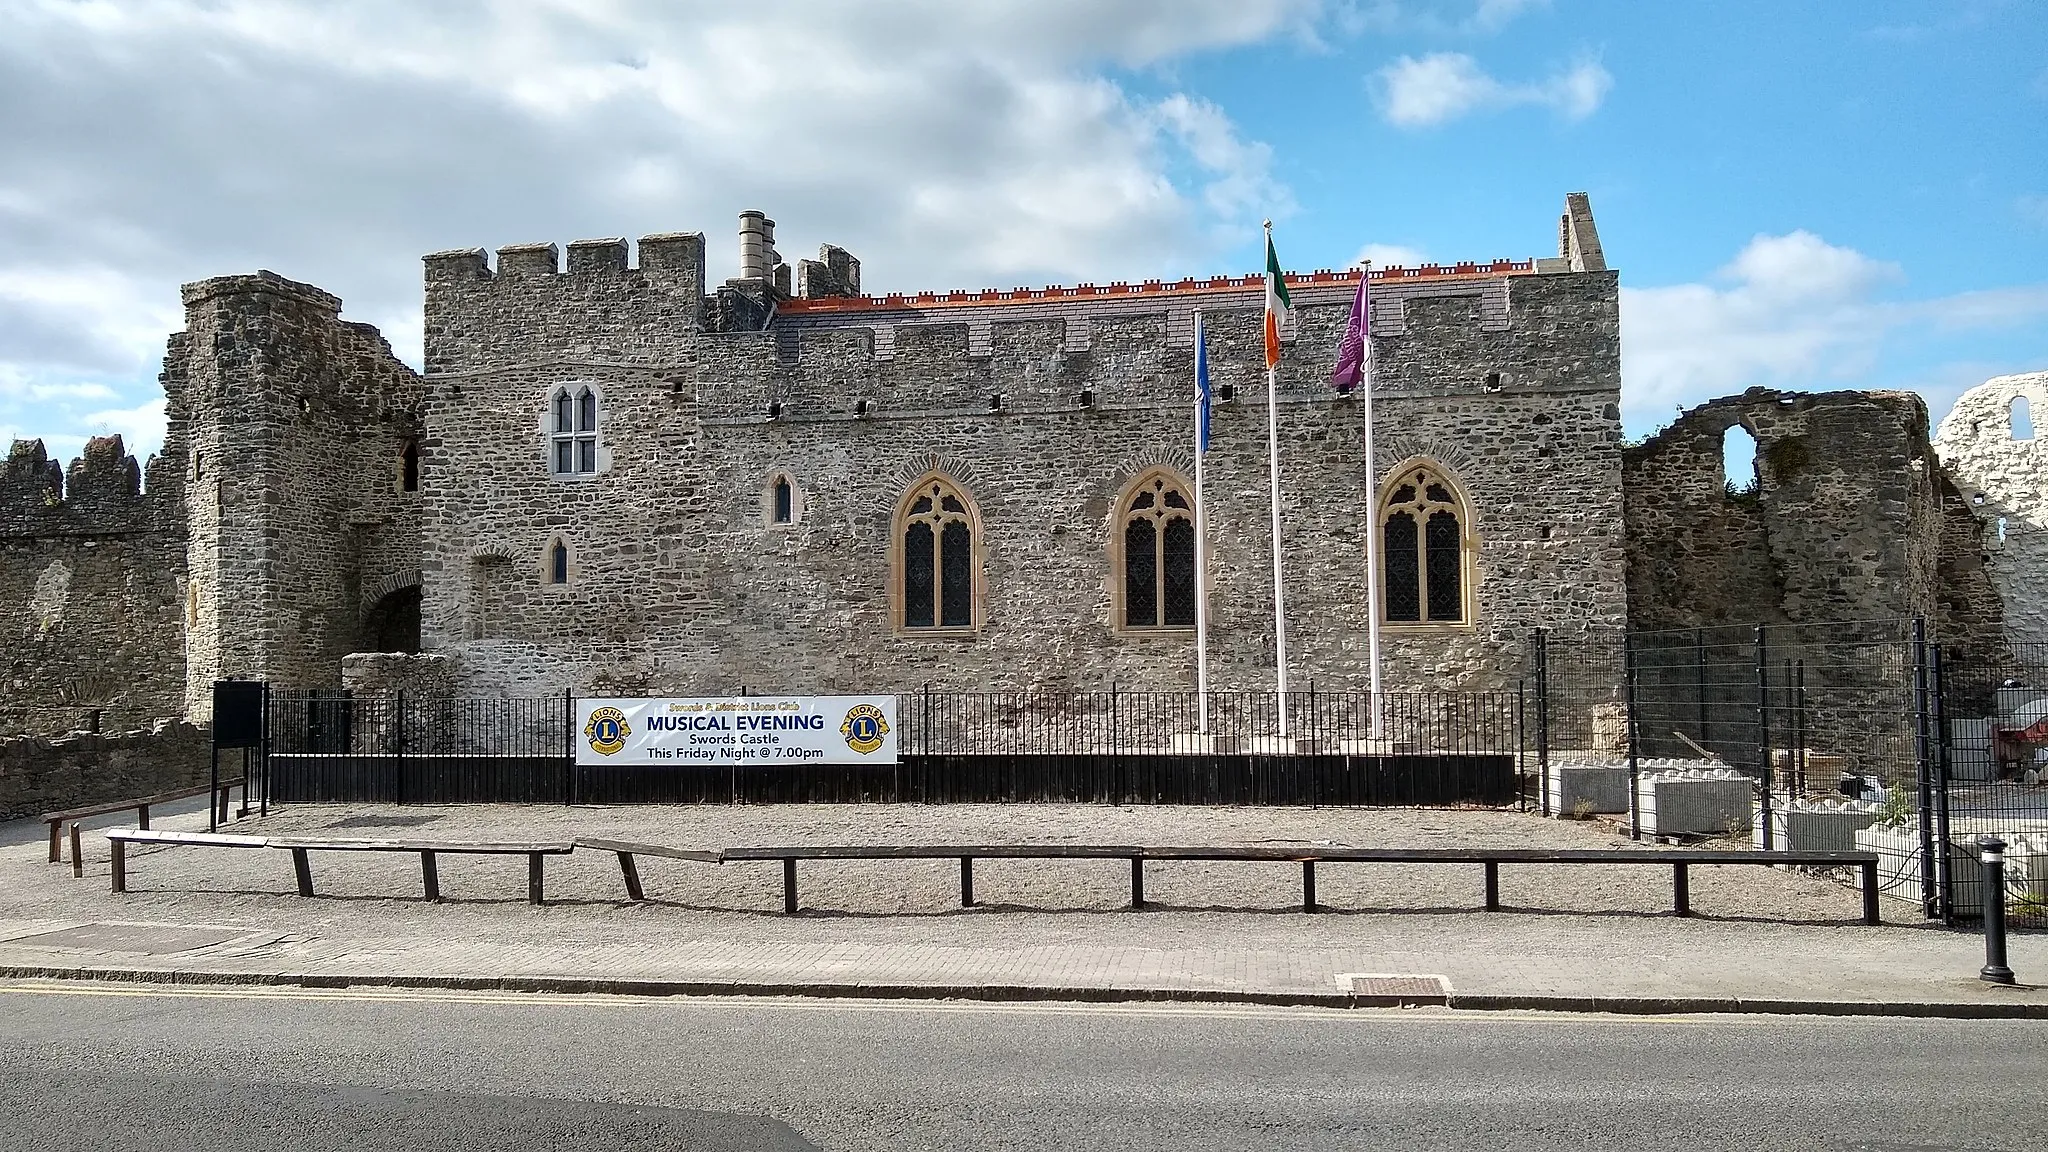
(149, 939)
(1379, 990)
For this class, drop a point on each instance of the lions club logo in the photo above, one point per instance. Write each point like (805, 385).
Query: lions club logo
(607, 731)
(864, 728)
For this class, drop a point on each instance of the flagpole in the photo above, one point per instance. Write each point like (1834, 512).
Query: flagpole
(1201, 547)
(1273, 467)
(1372, 533)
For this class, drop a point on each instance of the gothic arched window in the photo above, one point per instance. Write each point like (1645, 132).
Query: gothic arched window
(938, 569)
(558, 561)
(572, 432)
(1426, 545)
(1156, 554)
(781, 500)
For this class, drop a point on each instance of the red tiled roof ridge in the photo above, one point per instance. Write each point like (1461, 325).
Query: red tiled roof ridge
(1121, 288)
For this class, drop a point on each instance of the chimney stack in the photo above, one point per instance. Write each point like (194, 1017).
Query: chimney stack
(758, 257)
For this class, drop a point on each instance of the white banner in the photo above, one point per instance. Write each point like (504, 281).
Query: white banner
(763, 730)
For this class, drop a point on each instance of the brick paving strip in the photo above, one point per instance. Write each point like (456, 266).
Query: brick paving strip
(1584, 938)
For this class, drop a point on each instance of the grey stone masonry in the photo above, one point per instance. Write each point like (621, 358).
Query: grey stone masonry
(1847, 516)
(91, 582)
(1042, 407)
(46, 774)
(291, 426)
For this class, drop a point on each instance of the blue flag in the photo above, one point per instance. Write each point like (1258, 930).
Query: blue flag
(1201, 388)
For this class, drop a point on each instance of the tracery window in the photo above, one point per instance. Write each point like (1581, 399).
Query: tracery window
(936, 564)
(1156, 528)
(1425, 549)
(572, 447)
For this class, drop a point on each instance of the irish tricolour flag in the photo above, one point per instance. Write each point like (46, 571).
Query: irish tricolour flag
(1277, 303)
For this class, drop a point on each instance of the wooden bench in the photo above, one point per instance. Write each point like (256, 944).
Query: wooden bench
(140, 806)
(1679, 861)
(626, 850)
(428, 850)
(118, 840)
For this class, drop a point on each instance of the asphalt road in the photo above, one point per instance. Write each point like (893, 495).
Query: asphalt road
(121, 1067)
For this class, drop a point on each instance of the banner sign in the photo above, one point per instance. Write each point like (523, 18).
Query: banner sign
(765, 730)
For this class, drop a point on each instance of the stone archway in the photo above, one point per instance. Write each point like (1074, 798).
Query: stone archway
(391, 623)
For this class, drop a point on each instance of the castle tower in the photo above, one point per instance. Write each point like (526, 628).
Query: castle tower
(293, 430)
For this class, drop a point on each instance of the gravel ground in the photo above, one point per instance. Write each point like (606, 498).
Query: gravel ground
(374, 893)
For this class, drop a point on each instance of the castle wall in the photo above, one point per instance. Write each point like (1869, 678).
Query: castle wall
(2004, 481)
(91, 583)
(528, 308)
(679, 583)
(1850, 519)
(290, 424)
(40, 774)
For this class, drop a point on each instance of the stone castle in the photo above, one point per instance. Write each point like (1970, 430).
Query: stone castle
(616, 477)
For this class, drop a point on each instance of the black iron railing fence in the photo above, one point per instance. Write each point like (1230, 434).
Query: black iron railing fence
(1423, 748)
(1880, 709)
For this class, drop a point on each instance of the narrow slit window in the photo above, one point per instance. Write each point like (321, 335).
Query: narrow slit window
(558, 563)
(784, 498)
(409, 467)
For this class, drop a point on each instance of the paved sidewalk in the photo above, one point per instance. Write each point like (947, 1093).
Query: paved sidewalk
(190, 924)
(1487, 962)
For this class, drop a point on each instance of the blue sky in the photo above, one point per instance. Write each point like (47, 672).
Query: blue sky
(1797, 195)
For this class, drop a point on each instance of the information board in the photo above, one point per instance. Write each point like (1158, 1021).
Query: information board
(737, 730)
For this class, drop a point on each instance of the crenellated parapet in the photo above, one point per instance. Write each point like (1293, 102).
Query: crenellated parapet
(99, 495)
(604, 305)
(1479, 333)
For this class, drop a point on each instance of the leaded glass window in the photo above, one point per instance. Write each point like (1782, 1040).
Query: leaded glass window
(1423, 540)
(573, 432)
(938, 563)
(1158, 577)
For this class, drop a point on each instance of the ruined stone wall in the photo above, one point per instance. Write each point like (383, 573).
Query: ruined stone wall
(291, 425)
(1849, 519)
(680, 584)
(91, 583)
(42, 774)
(2004, 482)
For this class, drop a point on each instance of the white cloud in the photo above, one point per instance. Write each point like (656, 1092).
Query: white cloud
(1492, 15)
(1424, 91)
(951, 144)
(1436, 17)
(140, 428)
(1391, 256)
(1788, 311)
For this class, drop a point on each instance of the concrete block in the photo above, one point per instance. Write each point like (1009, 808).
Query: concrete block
(1695, 802)
(1899, 872)
(1823, 826)
(1599, 787)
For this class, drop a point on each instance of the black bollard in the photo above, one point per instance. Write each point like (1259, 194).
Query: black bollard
(1995, 971)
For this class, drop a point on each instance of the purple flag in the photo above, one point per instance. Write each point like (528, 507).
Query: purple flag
(1351, 353)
